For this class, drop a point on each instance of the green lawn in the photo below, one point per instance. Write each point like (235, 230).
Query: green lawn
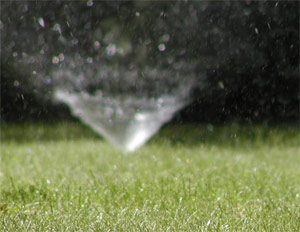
(63, 177)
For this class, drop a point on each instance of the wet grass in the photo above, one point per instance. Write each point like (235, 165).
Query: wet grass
(62, 177)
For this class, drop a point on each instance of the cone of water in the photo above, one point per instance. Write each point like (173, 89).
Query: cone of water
(125, 120)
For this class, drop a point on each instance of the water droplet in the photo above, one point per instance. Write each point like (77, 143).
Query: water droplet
(162, 14)
(61, 57)
(221, 85)
(16, 83)
(161, 47)
(208, 223)
(41, 22)
(57, 28)
(89, 3)
(89, 60)
(165, 38)
(210, 127)
(111, 49)
(97, 45)
(99, 218)
(121, 51)
(256, 30)
(47, 81)
(75, 41)
(55, 60)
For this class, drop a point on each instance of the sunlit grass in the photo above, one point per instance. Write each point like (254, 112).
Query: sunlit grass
(63, 177)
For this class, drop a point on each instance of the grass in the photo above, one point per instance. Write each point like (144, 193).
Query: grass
(63, 177)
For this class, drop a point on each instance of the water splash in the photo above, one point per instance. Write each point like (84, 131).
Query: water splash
(125, 105)
(144, 79)
(126, 121)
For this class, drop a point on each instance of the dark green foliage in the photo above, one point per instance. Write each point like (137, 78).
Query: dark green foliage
(244, 54)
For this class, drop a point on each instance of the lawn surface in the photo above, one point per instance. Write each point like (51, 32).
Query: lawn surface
(63, 177)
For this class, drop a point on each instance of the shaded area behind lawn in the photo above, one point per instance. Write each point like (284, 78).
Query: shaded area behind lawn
(232, 134)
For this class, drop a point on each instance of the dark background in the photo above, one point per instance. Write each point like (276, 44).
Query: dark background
(250, 52)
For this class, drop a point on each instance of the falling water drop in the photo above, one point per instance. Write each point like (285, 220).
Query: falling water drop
(165, 38)
(161, 47)
(61, 57)
(16, 83)
(90, 3)
(97, 45)
(55, 60)
(89, 60)
(111, 49)
(41, 22)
